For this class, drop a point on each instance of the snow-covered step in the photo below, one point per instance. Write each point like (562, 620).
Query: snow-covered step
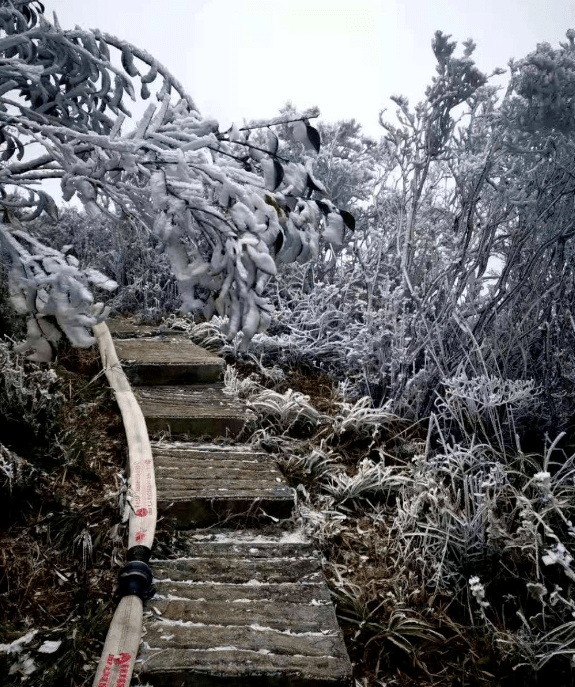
(242, 608)
(199, 484)
(167, 359)
(126, 328)
(198, 410)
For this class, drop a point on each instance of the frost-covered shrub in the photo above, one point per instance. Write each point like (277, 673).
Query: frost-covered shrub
(30, 402)
(53, 291)
(128, 254)
(477, 522)
(411, 301)
(545, 84)
(10, 323)
(282, 411)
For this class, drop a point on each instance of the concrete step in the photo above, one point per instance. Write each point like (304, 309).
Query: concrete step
(126, 328)
(201, 484)
(199, 410)
(244, 609)
(167, 359)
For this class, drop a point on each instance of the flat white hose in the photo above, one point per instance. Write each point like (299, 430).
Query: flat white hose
(123, 638)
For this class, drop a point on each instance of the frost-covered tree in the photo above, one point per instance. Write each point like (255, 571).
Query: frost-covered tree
(466, 261)
(227, 211)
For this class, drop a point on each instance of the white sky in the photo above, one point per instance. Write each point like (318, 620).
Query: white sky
(246, 58)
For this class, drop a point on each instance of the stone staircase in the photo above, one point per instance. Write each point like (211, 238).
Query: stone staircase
(247, 604)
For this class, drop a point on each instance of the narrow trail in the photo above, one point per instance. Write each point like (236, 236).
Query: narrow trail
(241, 603)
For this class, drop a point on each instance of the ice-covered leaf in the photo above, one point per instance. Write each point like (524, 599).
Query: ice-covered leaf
(150, 76)
(86, 189)
(299, 131)
(50, 206)
(295, 179)
(17, 645)
(104, 50)
(334, 230)
(49, 330)
(92, 209)
(306, 134)
(158, 189)
(101, 280)
(9, 150)
(256, 155)
(234, 134)
(314, 185)
(128, 61)
(42, 351)
(278, 243)
(262, 259)
(273, 142)
(79, 336)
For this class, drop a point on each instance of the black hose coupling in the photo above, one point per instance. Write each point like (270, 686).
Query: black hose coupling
(136, 580)
(139, 553)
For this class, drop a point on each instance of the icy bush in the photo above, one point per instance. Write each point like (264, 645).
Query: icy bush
(29, 394)
(128, 253)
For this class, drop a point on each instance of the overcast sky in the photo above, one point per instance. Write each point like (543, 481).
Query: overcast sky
(246, 58)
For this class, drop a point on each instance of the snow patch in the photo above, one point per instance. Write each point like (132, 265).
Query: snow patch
(50, 647)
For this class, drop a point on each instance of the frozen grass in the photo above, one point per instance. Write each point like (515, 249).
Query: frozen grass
(30, 401)
(445, 558)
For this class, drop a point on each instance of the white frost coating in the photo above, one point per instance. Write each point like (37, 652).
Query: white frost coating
(295, 179)
(173, 597)
(269, 173)
(25, 666)
(17, 645)
(216, 649)
(323, 633)
(255, 626)
(334, 230)
(295, 537)
(186, 559)
(251, 583)
(299, 131)
(49, 647)
(201, 599)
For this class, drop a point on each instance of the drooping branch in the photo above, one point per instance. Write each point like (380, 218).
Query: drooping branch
(173, 171)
